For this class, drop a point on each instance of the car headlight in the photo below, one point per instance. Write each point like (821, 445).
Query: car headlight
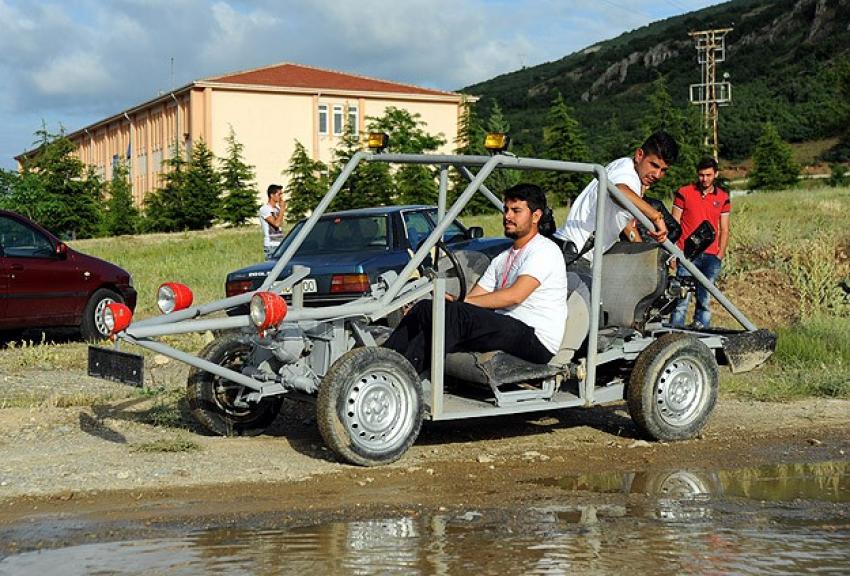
(267, 310)
(173, 296)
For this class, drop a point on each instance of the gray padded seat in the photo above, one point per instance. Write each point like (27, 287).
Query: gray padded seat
(638, 266)
(497, 367)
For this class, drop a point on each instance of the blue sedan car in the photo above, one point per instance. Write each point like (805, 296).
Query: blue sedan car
(347, 251)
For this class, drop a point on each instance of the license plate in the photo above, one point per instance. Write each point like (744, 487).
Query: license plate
(117, 366)
(309, 285)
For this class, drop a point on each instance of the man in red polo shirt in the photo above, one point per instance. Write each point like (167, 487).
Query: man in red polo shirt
(693, 204)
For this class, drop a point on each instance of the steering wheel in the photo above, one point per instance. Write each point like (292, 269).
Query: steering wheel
(456, 269)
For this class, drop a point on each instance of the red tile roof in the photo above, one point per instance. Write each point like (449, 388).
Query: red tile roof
(296, 76)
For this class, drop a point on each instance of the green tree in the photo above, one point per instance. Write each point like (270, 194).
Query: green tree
(122, 215)
(499, 180)
(371, 184)
(56, 189)
(164, 208)
(563, 139)
(307, 183)
(469, 141)
(773, 165)
(239, 191)
(414, 184)
(684, 126)
(203, 183)
(838, 175)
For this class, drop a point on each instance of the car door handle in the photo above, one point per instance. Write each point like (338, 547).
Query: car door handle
(16, 267)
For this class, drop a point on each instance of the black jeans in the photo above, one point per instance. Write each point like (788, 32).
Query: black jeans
(469, 328)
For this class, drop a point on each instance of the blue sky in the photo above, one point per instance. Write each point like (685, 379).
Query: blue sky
(73, 62)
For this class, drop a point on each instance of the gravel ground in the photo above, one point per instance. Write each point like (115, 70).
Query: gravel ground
(137, 442)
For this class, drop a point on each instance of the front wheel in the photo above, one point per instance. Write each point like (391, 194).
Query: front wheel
(92, 327)
(673, 387)
(370, 406)
(217, 403)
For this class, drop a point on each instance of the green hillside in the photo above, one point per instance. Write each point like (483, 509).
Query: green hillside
(782, 58)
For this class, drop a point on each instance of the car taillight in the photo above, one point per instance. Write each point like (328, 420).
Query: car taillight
(238, 287)
(346, 283)
(267, 309)
(173, 296)
(116, 317)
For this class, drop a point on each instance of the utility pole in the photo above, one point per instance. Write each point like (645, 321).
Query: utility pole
(710, 94)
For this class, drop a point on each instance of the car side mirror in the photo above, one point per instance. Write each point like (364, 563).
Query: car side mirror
(474, 232)
(61, 250)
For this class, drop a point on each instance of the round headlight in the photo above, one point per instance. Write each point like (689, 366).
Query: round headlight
(173, 296)
(267, 309)
(116, 317)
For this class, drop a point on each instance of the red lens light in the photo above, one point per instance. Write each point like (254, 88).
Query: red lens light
(173, 296)
(347, 283)
(116, 317)
(238, 287)
(267, 309)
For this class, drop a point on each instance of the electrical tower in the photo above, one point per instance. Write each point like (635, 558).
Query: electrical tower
(710, 94)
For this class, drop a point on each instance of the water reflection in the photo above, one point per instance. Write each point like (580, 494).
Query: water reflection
(669, 522)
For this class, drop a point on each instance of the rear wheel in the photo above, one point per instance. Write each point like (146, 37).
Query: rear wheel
(92, 326)
(217, 403)
(673, 387)
(370, 406)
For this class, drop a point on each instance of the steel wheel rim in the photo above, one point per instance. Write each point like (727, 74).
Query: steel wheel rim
(225, 391)
(98, 316)
(379, 411)
(680, 391)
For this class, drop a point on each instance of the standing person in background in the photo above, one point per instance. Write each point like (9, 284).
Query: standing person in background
(271, 219)
(693, 204)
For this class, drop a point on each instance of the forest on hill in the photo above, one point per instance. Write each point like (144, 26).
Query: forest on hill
(788, 62)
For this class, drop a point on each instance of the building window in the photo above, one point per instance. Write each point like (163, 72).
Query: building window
(337, 120)
(353, 119)
(323, 118)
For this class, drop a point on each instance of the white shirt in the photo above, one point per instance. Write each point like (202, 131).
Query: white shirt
(271, 237)
(545, 309)
(581, 220)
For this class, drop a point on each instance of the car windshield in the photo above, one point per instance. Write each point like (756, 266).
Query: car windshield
(337, 234)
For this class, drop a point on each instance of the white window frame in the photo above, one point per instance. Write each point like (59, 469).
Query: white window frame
(338, 120)
(323, 118)
(353, 119)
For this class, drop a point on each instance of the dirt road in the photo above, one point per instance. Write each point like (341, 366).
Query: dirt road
(113, 460)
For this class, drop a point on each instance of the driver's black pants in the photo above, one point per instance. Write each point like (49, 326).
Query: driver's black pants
(469, 328)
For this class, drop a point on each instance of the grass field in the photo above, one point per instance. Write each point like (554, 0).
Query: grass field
(789, 255)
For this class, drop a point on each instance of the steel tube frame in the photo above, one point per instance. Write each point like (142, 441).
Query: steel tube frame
(185, 321)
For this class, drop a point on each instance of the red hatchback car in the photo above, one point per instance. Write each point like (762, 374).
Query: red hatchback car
(46, 284)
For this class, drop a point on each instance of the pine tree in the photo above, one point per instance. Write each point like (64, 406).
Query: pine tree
(773, 164)
(307, 183)
(122, 216)
(239, 200)
(164, 208)
(685, 126)
(563, 139)
(500, 179)
(371, 184)
(470, 142)
(203, 188)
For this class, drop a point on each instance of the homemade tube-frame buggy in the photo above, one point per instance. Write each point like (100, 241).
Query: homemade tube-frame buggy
(371, 403)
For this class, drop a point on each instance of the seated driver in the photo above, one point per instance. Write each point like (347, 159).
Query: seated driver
(518, 305)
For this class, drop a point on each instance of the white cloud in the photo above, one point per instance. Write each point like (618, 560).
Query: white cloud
(76, 61)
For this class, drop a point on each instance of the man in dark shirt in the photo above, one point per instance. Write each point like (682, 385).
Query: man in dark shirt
(693, 204)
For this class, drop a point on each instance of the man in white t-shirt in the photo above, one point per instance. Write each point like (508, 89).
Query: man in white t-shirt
(271, 219)
(633, 176)
(520, 303)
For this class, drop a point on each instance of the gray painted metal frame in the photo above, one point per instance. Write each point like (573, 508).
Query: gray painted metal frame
(398, 291)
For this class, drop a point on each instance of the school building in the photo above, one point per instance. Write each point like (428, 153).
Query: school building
(268, 108)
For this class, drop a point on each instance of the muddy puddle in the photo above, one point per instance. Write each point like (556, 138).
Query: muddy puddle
(781, 519)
